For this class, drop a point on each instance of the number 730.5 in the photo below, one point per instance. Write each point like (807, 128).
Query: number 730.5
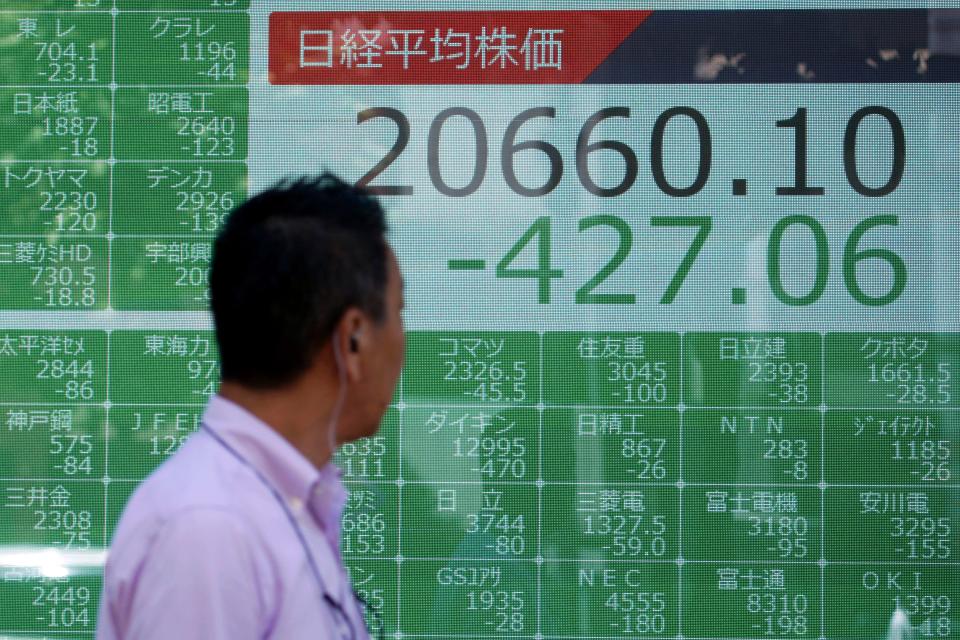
(855, 257)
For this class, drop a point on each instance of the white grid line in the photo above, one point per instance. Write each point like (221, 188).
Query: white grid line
(668, 561)
(399, 565)
(106, 422)
(540, 403)
(823, 485)
(680, 495)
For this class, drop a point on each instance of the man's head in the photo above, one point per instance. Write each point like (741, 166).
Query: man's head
(297, 267)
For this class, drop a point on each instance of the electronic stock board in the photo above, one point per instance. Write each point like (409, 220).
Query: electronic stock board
(682, 291)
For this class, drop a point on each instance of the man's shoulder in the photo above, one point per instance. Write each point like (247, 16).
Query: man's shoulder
(198, 482)
(176, 547)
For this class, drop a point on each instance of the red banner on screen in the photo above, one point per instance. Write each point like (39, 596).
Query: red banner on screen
(443, 47)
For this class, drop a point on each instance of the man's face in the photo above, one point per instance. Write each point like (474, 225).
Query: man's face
(382, 356)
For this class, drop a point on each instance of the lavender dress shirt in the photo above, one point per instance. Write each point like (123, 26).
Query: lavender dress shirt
(204, 550)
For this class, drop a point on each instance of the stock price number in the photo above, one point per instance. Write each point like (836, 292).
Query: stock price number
(64, 606)
(586, 146)
(642, 612)
(856, 252)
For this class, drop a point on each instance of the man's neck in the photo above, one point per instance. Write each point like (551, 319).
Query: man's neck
(297, 412)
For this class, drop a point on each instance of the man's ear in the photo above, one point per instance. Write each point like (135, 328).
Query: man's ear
(351, 344)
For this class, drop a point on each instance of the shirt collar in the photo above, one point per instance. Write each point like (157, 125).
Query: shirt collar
(321, 491)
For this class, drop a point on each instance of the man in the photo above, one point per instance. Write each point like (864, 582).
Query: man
(237, 535)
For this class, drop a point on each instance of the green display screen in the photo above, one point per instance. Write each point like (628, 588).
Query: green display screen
(683, 343)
